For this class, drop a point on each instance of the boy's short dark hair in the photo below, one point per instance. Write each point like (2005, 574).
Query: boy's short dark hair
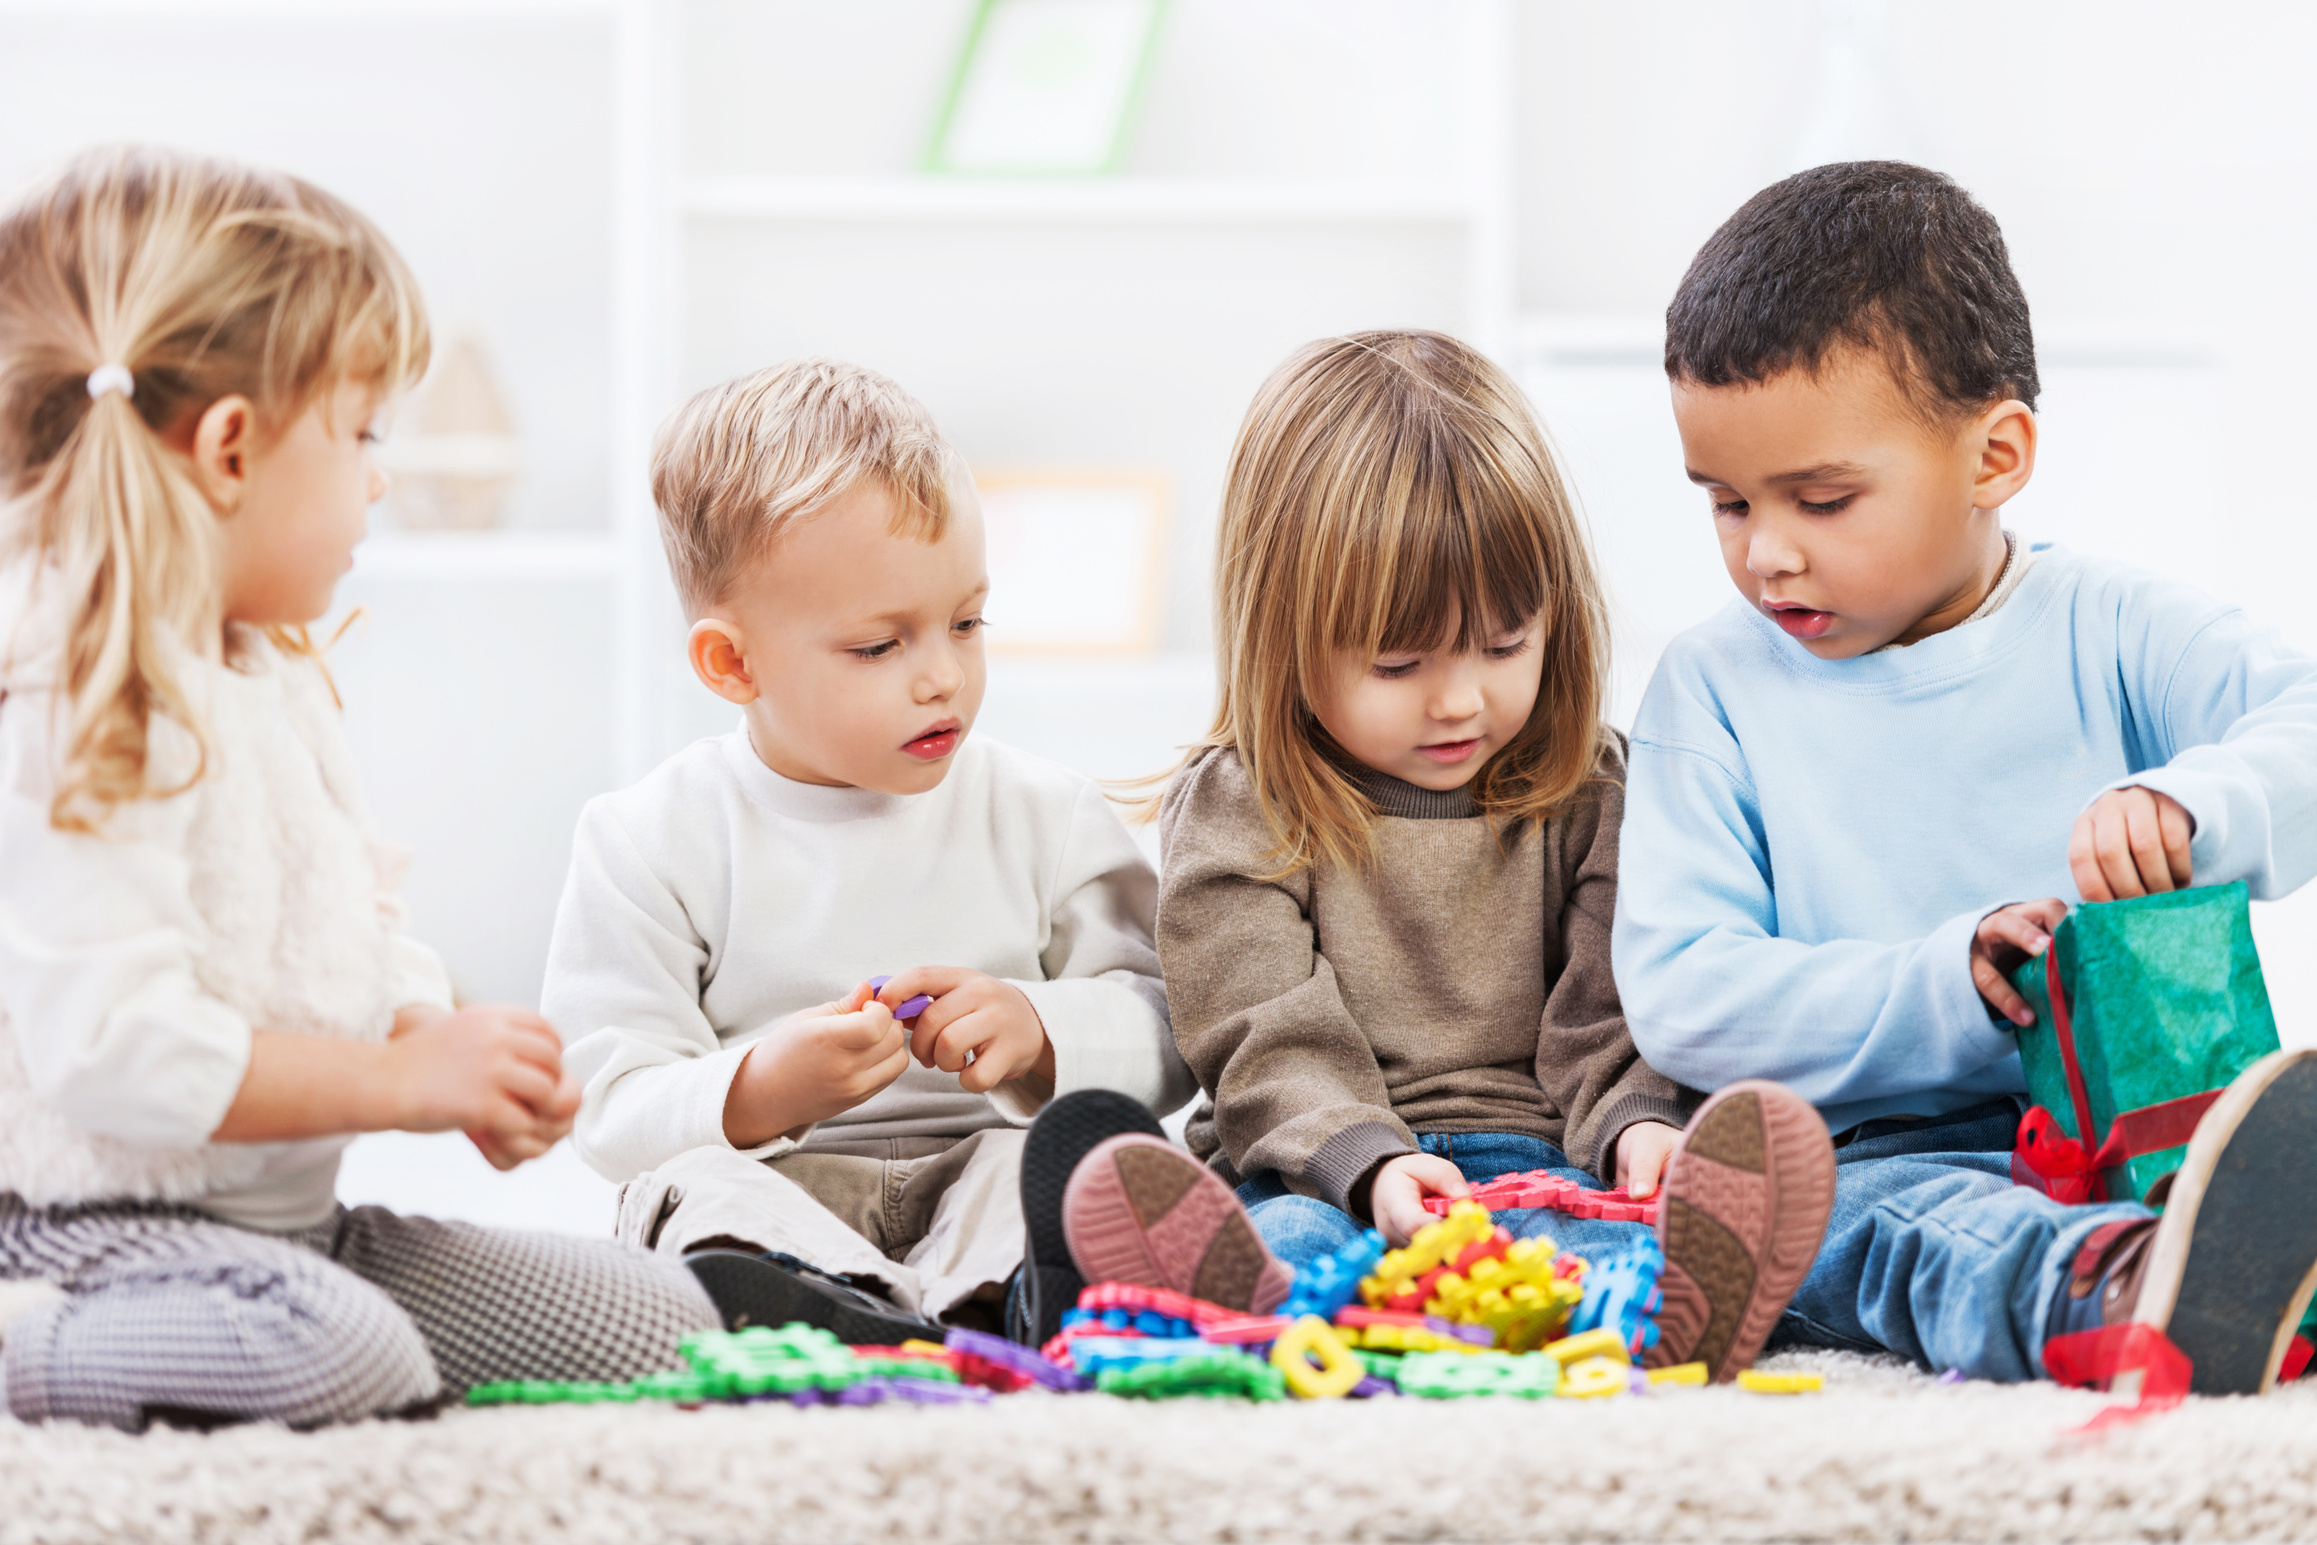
(1877, 254)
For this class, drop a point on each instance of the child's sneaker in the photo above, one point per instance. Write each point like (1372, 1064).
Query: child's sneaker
(774, 1289)
(2226, 1270)
(1744, 1207)
(1063, 1134)
(1139, 1209)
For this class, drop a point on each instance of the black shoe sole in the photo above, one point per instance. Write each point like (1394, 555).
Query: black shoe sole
(2238, 1242)
(1064, 1133)
(748, 1290)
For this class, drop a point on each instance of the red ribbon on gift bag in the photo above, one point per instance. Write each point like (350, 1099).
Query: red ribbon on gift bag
(2099, 1357)
(2064, 1167)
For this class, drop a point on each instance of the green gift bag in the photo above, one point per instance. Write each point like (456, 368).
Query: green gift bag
(2144, 1011)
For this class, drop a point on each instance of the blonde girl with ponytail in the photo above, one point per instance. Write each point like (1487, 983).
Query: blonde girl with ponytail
(205, 988)
(1389, 872)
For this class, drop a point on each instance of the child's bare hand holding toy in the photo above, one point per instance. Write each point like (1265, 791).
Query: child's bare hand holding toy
(2007, 936)
(2131, 842)
(1642, 1151)
(1396, 1195)
(817, 1063)
(973, 1013)
(492, 1071)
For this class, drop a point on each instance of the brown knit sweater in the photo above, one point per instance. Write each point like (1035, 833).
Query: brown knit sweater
(1460, 984)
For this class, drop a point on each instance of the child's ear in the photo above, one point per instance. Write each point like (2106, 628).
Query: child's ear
(719, 658)
(221, 443)
(2006, 435)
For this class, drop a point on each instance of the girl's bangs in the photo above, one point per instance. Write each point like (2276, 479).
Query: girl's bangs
(382, 336)
(1467, 568)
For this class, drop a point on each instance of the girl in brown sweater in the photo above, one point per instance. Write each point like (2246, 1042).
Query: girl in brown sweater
(1389, 871)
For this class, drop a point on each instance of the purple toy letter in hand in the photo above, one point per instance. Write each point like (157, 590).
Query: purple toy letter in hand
(908, 1010)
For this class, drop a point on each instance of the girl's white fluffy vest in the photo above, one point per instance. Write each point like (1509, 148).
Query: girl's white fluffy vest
(295, 899)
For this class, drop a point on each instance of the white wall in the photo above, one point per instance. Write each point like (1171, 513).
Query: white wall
(480, 143)
(2151, 166)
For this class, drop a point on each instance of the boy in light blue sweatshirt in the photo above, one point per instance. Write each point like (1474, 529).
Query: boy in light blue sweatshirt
(1867, 788)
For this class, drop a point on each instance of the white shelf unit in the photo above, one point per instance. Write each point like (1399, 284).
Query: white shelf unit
(625, 553)
(661, 304)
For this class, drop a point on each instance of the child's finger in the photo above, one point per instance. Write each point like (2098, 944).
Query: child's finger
(895, 1041)
(2048, 913)
(952, 1043)
(986, 1071)
(505, 1118)
(1998, 991)
(2144, 834)
(928, 981)
(866, 1029)
(537, 1043)
(523, 1147)
(554, 1122)
(528, 1085)
(891, 1068)
(948, 1008)
(1404, 1219)
(2017, 927)
(1439, 1177)
(2084, 862)
(2178, 833)
(2112, 842)
(1648, 1169)
(934, 1041)
(530, 1019)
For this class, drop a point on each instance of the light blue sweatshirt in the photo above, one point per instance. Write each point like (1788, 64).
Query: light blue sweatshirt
(1810, 844)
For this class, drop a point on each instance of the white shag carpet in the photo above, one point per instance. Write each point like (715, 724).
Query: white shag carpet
(1883, 1453)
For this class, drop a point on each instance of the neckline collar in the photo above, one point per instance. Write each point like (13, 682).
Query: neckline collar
(803, 801)
(1961, 648)
(1412, 801)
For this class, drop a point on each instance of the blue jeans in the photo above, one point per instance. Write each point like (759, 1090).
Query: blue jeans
(1933, 1253)
(1301, 1229)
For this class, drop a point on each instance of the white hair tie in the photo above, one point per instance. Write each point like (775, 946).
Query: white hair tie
(112, 378)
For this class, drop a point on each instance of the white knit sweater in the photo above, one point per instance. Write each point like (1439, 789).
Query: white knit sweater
(133, 964)
(716, 897)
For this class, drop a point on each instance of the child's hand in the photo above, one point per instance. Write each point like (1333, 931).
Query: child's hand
(1396, 1196)
(492, 1071)
(817, 1063)
(1642, 1150)
(2007, 936)
(2132, 842)
(992, 1019)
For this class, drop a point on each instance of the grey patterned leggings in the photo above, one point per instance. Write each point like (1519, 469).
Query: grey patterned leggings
(173, 1315)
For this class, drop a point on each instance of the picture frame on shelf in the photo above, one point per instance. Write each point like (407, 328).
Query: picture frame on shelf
(1077, 558)
(1045, 87)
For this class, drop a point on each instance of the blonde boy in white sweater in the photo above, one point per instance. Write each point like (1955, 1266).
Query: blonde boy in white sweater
(723, 918)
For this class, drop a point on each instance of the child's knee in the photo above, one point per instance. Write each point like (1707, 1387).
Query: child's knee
(665, 1294)
(298, 1342)
(331, 1347)
(1299, 1229)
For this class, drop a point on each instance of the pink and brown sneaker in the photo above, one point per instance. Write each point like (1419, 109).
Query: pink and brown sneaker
(1139, 1209)
(1746, 1200)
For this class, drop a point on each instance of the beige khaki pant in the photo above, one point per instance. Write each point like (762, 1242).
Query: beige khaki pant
(937, 1220)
